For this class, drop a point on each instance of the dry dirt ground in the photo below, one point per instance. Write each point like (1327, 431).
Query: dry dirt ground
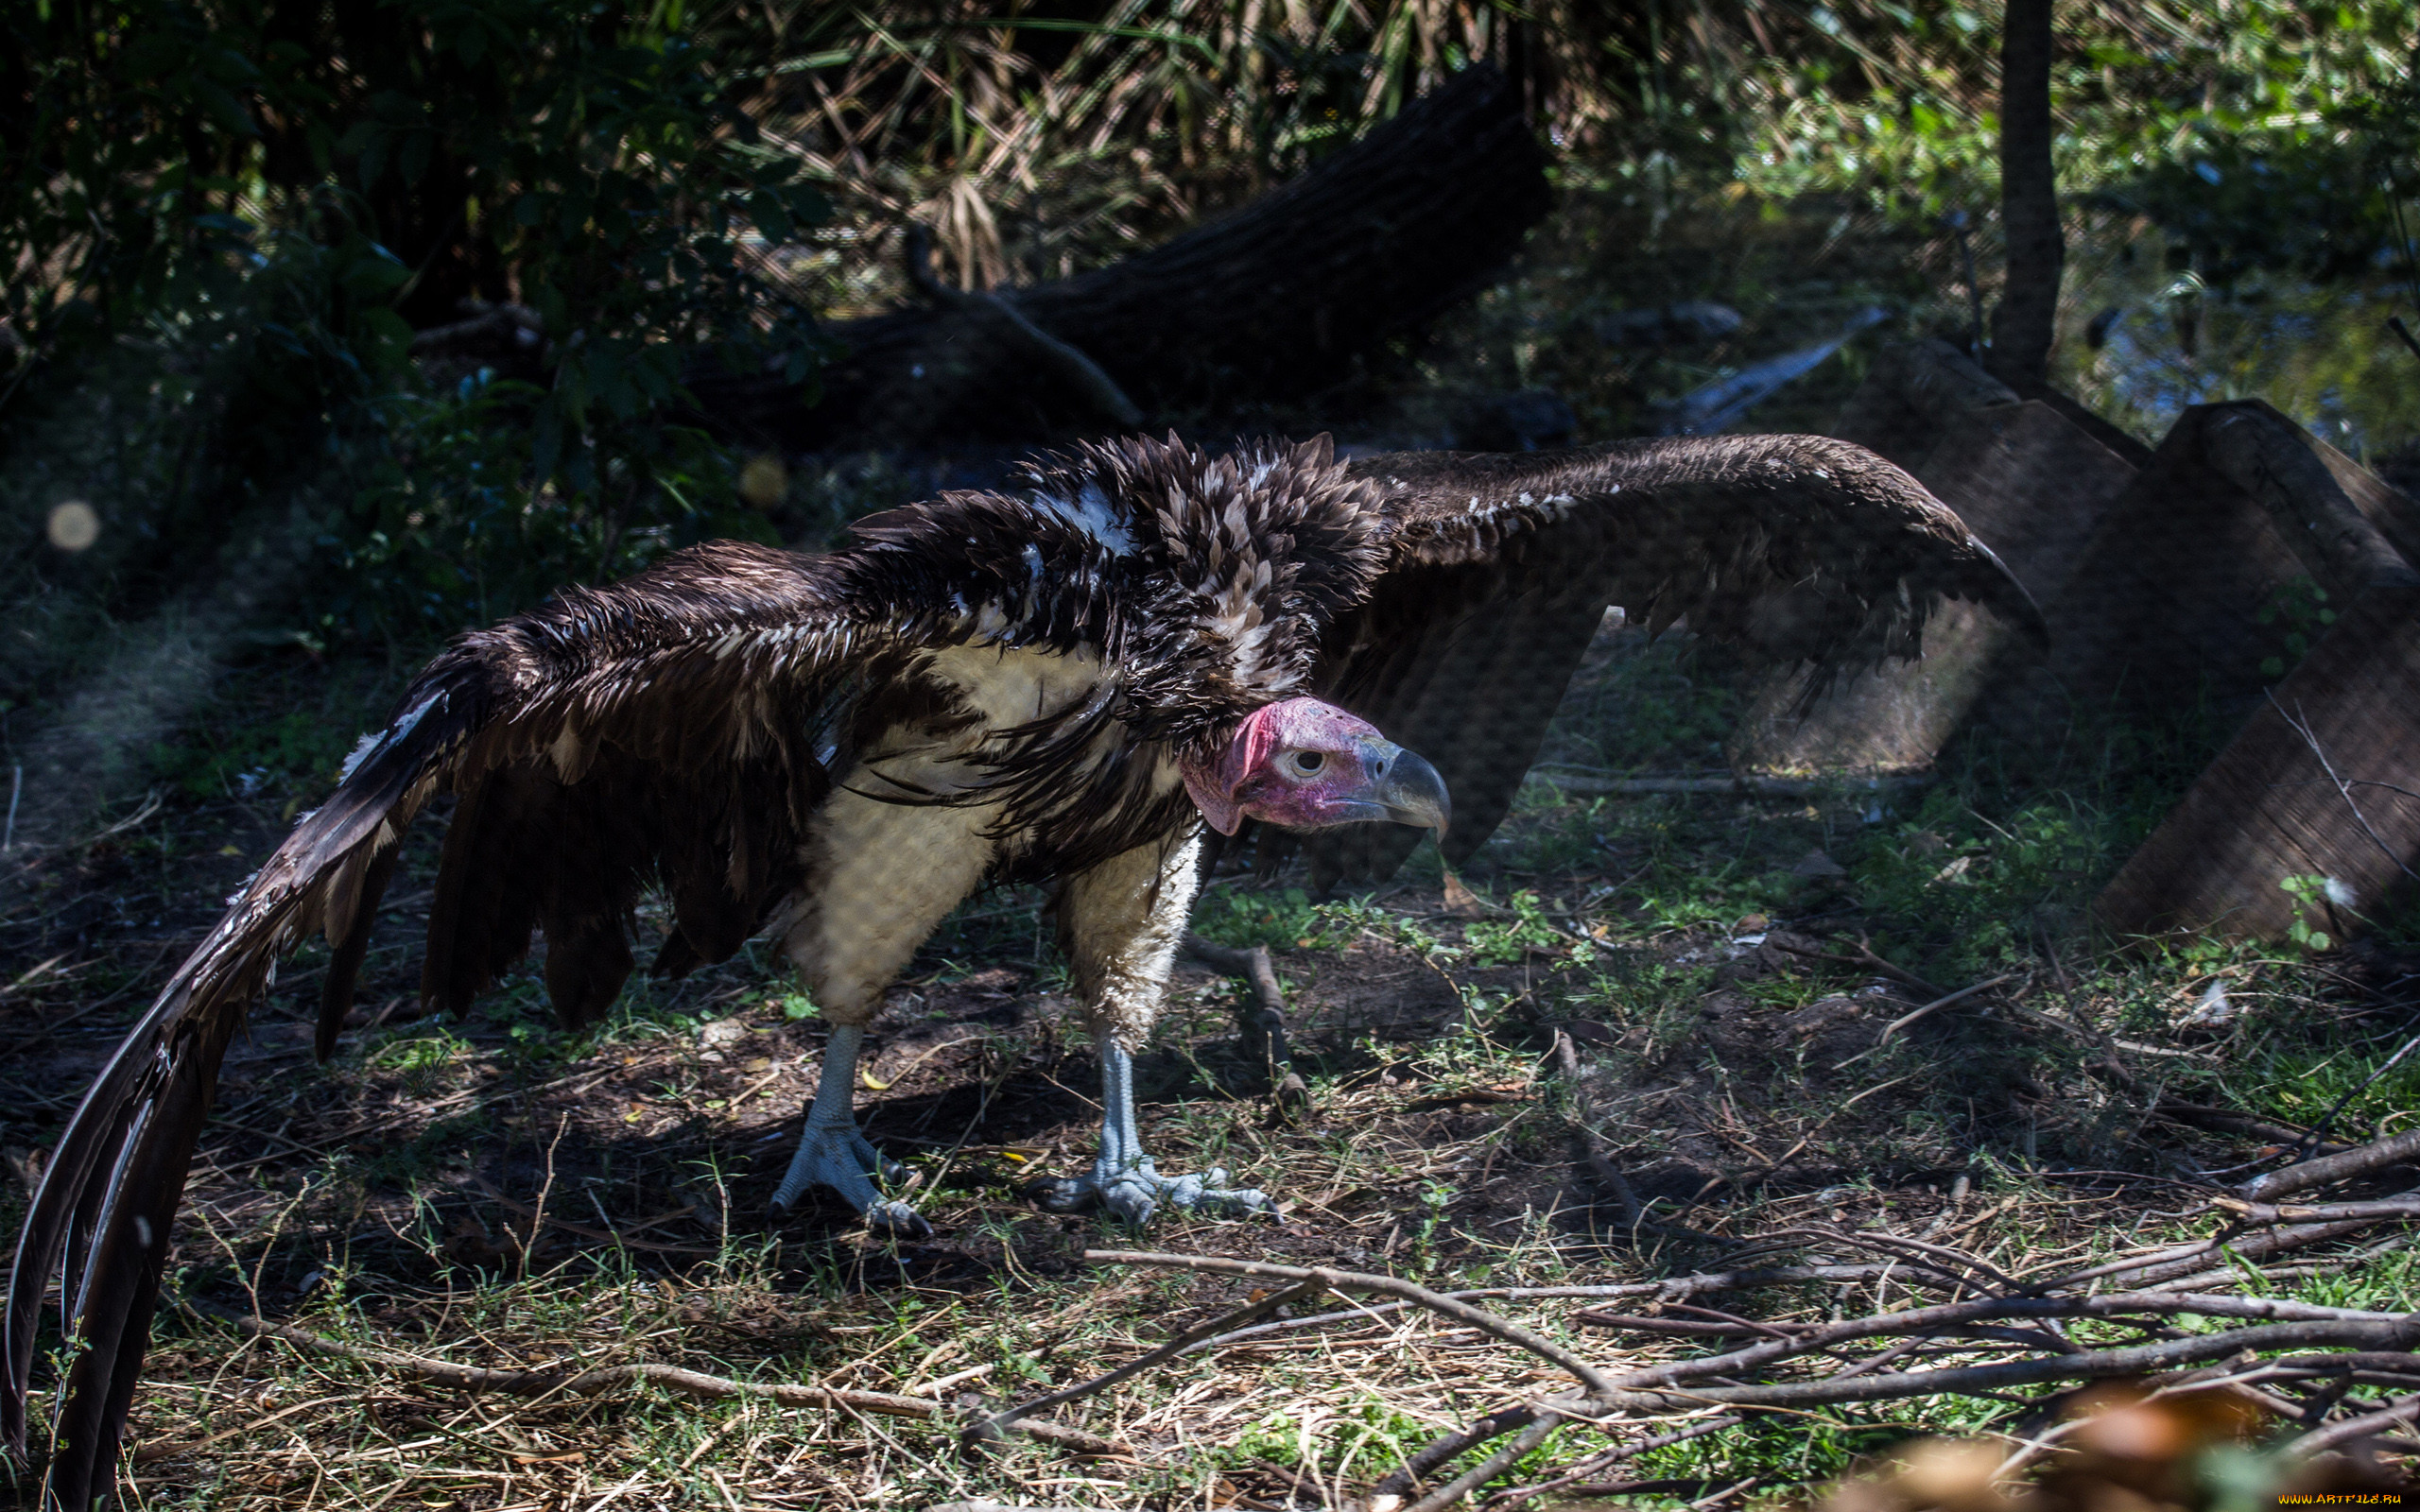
(497, 1193)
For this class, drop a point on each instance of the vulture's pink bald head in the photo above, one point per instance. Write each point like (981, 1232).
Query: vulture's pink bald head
(1304, 764)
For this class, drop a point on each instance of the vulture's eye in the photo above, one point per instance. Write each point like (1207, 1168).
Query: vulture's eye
(1306, 763)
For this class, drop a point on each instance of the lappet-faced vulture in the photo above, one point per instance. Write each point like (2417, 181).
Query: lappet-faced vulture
(1060, 683)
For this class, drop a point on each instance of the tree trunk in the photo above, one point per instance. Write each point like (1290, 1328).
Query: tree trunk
(1271, 303)
(2027, 319)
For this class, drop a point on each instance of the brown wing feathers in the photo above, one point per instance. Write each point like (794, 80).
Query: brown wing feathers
(685, 701)
(1799, 547)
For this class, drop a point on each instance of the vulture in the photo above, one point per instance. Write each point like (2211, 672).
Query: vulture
(1064, 682)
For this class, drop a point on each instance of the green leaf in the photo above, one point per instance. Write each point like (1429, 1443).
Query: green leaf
(548, 302)
(231, 115)
(412, 162)
(373, 271)
(389, 334)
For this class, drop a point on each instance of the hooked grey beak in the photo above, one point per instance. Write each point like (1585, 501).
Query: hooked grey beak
(1411, 792)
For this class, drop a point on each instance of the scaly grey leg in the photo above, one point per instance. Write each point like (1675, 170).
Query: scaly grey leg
(1123, 1178)
(833, 1154)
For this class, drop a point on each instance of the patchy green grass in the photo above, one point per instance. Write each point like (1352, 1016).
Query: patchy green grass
(392, 1198)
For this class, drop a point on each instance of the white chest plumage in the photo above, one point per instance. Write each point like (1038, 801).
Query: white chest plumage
(883, 873)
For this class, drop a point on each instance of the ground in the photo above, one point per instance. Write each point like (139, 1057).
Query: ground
(499, 1192)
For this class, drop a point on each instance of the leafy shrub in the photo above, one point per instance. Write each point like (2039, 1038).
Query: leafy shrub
(309, 185)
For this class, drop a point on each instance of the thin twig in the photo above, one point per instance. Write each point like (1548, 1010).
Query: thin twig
(992, 1426)
(1603, 1459)
(2343, 788)
(2404, 1411)
(1866, 957)
(1677, 1288)
(1608, 1174)
(2395, 323)
(612, 1236)
(2187, 1261)
(2327, 1120)
(2091, 1365)
(1906, 1019)
(1340, 1281)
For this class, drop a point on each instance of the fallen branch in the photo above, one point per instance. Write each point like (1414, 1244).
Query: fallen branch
(2227, 1121)
(2359, 1161)
(2321, 1440)
(1547, 1416)
(1262, 1026)
(2310, 1346)
(1084, 376)
(1389, 1494)
(1277, 299)
(2189, 1261)
(2089, 1365)
(2408, 1206)
(1541, 1420)
(595, 1378)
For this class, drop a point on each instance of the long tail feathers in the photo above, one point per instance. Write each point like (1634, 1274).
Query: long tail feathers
(100, 1222)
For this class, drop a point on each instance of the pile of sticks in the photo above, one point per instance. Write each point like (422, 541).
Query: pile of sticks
(2338, 1375)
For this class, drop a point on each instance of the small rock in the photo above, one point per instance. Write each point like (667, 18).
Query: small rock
(1816, 864)
(1821, 1015)
(721, 1032)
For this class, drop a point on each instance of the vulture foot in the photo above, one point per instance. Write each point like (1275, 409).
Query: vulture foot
(839, 1157)
(1134, 1193)
(1123, 1179)
(833, 1154)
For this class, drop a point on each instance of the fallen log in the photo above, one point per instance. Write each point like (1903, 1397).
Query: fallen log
(1274, 300)
(2308, 814)
(2185, 601)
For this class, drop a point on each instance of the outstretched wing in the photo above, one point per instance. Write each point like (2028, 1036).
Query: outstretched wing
(666, 728)
(1799, 547)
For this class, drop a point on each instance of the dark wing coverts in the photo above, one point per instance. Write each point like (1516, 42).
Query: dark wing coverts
(1798, 547)
(664, 728)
